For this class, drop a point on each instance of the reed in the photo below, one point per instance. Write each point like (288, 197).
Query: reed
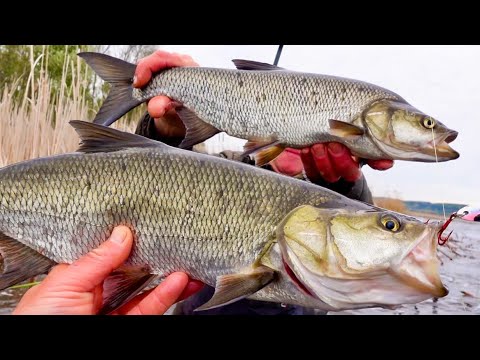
(37, 125)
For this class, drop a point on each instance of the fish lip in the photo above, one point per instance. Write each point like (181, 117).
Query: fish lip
(451, 136)
(444, 150)
(426, 268)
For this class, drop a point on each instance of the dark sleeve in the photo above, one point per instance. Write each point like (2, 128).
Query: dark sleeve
(357, 190)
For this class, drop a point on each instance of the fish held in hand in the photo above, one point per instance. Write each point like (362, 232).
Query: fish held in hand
(249, 232)
(274, 108)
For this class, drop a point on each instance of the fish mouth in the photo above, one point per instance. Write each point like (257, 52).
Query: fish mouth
(420, 267)
(439, 152)
(441, 149)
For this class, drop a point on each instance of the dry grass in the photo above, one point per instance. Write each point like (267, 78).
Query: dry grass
(391, 204)
(38, 125)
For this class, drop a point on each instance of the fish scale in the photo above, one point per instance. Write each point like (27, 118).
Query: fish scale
(205, 217)
(249, 104)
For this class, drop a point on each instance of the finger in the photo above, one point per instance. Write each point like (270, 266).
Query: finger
(158, 105)
(380, 164)
(162, 297)
(309, 165)
(125, 309)
(170, 125)
(323, 163)
(92, 269)
(288, 162)
(157, 61)
(342, 162)
(192, 287)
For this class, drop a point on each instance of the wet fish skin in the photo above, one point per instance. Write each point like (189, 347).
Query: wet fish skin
(207, 217)
(273, 107)
(247, 231)
(296, 107)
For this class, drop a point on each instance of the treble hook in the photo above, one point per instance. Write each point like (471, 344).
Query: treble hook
(442, 241)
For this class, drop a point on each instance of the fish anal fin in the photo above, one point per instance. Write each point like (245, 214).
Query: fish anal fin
(197, 130)
(122, 285)
(18, 262)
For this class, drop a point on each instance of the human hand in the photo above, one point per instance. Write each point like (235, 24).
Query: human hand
(327, 161)
(162, 108)
(77, 289)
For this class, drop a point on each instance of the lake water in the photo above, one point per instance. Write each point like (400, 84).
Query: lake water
(460, 273)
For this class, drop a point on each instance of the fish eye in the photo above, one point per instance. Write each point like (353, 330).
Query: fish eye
(390, 223)
(429, 123)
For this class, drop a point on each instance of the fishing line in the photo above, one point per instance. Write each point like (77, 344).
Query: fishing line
(436, 159)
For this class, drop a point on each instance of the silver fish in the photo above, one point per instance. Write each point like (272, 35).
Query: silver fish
(247, 231)
(274, 108)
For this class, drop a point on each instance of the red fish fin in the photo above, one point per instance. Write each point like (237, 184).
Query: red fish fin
(255, 144)
(266, 155)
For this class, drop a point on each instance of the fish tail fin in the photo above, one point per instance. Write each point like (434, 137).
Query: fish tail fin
(119, 74)
(18, 262)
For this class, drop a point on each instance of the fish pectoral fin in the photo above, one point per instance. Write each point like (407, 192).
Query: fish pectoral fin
(122, 285)
(19, 262)
(233, 287)
(264, 156)
(197, 130)
(98, 138)
(241, 64)
(344, 130)
(265, 149)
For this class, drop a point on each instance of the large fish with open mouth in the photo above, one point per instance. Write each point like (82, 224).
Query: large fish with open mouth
(247, 231)
(274, 108)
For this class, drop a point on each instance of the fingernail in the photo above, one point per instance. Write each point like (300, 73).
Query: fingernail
(118, 235)
(305, 151)
(335, 148)
(134, 81)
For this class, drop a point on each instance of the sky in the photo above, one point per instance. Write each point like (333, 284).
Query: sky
(441, 81)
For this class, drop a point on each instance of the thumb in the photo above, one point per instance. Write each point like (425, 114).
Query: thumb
(93, 268)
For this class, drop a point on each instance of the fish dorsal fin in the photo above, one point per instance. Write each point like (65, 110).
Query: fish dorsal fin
(241, 64)
(98, 138)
